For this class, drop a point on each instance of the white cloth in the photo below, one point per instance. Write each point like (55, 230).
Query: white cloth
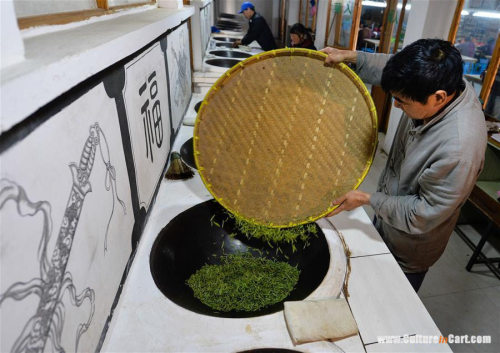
(319, 320)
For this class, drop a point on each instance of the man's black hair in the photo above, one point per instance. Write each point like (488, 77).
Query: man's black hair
(422, 68)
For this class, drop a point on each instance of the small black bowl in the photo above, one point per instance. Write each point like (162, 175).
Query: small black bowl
(187, 153)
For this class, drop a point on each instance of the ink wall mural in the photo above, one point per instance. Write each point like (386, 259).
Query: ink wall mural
(66, 225)
(146, 101)
(179, 72)
(76, 182)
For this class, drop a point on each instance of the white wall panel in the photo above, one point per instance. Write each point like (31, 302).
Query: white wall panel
(66, 225)
(146, 101)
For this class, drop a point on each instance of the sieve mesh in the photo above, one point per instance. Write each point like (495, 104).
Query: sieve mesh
(280, 135)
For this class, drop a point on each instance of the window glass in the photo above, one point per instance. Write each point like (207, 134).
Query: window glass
(25, 8)
(340, 23)
(345, 30)
(476, 37)
(370, 25)
(402, 25)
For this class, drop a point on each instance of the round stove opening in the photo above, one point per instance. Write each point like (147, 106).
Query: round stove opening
(222, 62)
(230, 28)
(270, 350)
(229, 15)
(225, 39)
(202, 234)
(224, 45)
(230, 54)
(187, 153)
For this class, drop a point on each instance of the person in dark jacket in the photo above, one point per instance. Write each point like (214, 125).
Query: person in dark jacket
(300, 37)
(258, 29)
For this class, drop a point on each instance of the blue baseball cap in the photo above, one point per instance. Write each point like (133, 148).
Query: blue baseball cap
(246, 5)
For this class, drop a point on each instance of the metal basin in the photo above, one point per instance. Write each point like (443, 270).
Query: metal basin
(270, 350)
(187, 153)
(230, 54)
(225, 39)
(230, 28)
(222, 62)
(224, 44)
(229, 15)
(191, 239)
(228, 23)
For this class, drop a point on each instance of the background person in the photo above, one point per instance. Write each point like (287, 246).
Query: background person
(437, 153)
(300, 37)
(258, 29)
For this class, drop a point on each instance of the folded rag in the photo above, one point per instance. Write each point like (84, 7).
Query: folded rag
(318, 320)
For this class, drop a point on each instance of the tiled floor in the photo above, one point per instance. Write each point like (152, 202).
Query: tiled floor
(460, 302)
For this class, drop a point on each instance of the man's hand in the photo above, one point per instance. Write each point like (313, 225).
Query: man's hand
(237, 43)
(350, 201)
(336, 55)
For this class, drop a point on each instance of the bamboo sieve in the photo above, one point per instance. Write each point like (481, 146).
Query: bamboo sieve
(280, 135)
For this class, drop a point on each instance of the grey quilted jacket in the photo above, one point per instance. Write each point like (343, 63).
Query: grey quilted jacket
(430, 172)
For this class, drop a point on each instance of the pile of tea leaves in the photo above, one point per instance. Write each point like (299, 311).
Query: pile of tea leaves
(242, 282)
(269, 235)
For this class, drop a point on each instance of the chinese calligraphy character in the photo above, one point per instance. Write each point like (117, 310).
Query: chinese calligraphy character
(151, 117)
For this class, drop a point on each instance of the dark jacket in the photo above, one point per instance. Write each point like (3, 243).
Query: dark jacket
(259, 30)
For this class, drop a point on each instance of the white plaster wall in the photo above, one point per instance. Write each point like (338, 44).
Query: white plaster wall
(53, 127)
(12, 48)
(293, 12)
(201, 24)
(98, 249)
(429, 19)
(321, 19)
(26, 8)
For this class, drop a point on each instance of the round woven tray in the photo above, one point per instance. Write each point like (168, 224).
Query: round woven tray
(280, 135)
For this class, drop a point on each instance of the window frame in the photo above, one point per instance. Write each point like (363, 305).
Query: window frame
(59, 18)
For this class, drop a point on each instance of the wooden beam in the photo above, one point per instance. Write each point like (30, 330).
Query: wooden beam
(102, 4)
(491, 73)
(306, 20)
(300, 11)
(452, 35)
(328, 14)
(313, 26)
(356, 19)
(400, 27)
(283, 22)
(388, 26)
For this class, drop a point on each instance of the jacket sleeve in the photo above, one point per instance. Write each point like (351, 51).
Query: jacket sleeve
(444, 187)
(253, 31)
(369, 66)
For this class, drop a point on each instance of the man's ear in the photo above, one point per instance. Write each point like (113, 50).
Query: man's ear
(440, 97)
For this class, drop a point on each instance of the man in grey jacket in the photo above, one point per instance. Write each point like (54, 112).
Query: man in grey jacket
(437, 152)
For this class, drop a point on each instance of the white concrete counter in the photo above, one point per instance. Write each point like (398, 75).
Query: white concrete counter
(381, 299)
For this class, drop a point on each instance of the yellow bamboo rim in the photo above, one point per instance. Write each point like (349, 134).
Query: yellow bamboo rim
(280, 135)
